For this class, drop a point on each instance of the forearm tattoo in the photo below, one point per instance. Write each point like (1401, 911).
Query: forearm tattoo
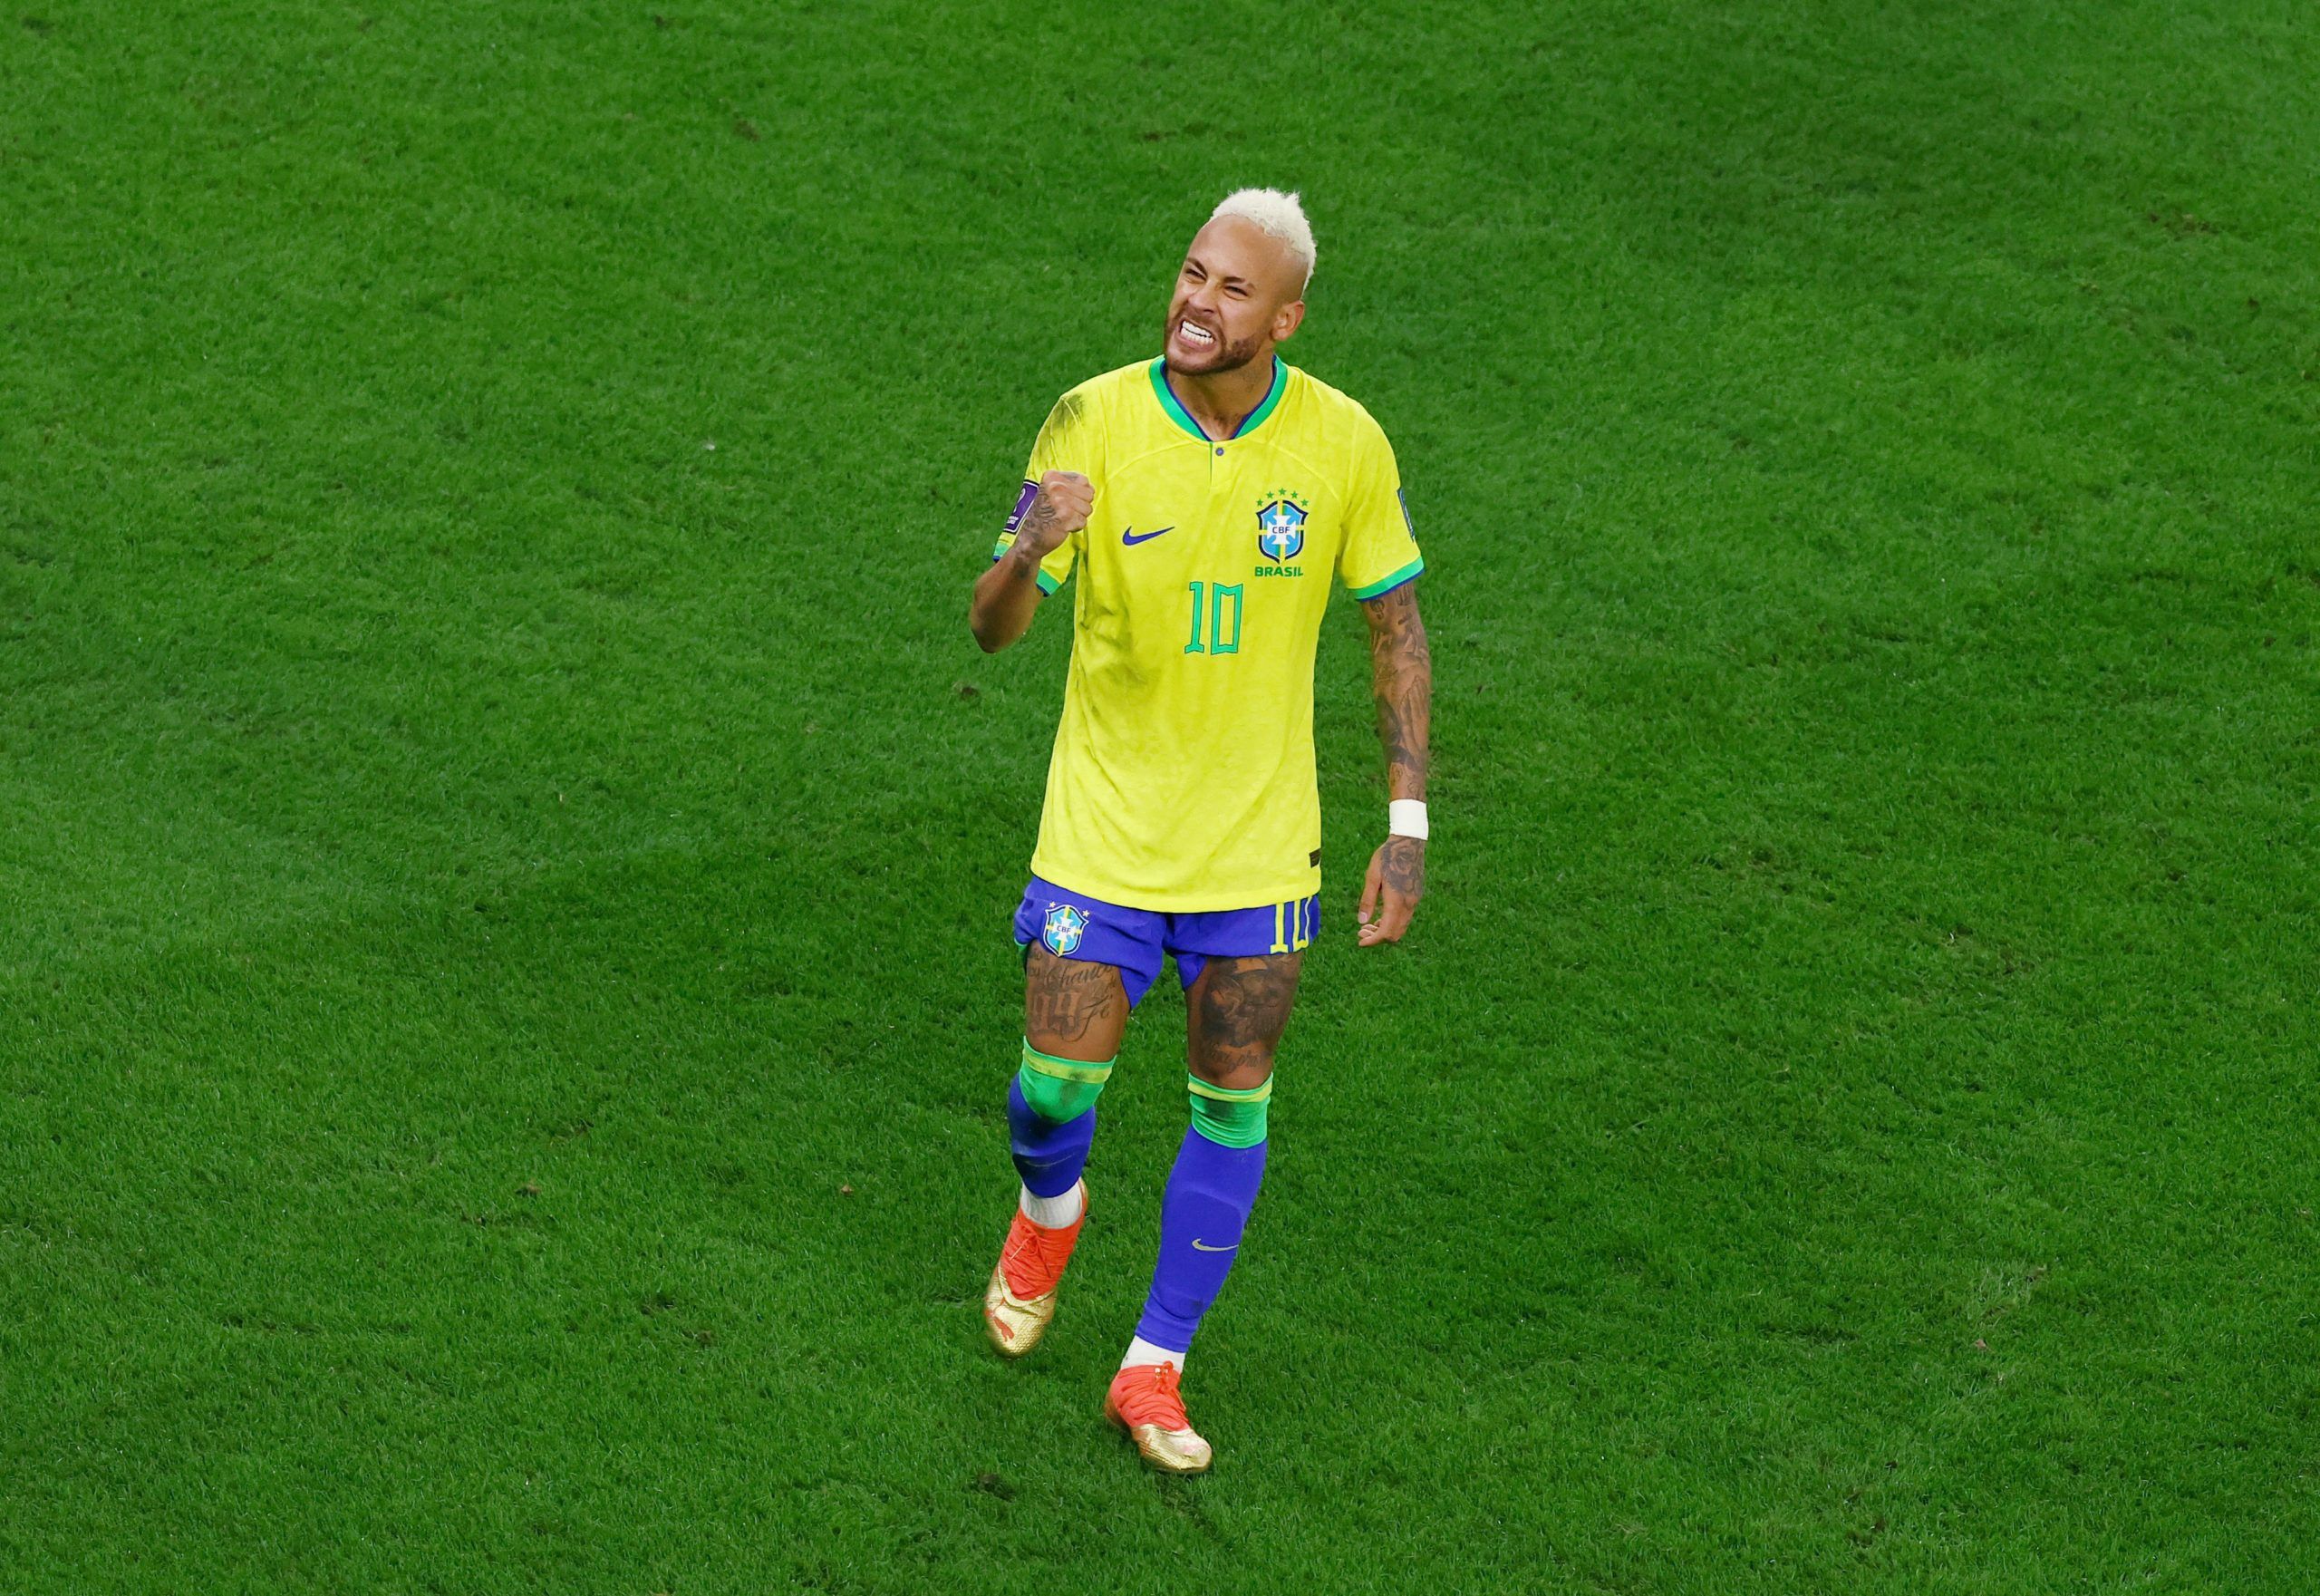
(1402, 676)
(1033, 533)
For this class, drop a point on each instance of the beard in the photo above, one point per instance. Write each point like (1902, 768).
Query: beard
(1224, 357)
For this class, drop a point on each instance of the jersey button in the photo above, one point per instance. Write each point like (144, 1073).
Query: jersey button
(1220, 448)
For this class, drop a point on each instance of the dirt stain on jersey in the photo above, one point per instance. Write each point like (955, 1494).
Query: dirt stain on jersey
(1063, 421)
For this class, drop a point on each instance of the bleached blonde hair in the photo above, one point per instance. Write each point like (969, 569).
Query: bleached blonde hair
(1276, 213)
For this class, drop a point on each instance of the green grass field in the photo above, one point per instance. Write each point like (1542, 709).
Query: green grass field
(505, 991)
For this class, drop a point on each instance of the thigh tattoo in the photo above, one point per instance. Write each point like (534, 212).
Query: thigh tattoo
(1240, 1008)
(1070, 1002)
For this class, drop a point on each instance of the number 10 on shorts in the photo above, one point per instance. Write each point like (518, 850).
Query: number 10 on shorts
(1218, 642)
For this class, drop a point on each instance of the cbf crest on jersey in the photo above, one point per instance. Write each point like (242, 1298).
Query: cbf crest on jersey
(1281, 530)
(1065, 924)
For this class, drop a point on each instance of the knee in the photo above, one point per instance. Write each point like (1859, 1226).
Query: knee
(1228, 1116)
(1059, 1089)
(1242, 1069)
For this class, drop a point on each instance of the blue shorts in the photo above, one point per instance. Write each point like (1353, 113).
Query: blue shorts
(1073, 925)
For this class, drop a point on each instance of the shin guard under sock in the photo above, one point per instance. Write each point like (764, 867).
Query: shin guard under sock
(1211, 1191)
(1051, 1119)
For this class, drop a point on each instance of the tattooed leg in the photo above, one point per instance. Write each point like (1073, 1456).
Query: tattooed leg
(1235, 1016)
(1073, 1008)
(1073, 1011)
(1073, 1014)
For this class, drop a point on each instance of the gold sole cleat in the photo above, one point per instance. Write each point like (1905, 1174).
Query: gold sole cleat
(1014, 1323)
(1144, 1401)
(1019, 1304)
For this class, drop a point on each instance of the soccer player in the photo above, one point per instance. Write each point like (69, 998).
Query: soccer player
(1204, 499)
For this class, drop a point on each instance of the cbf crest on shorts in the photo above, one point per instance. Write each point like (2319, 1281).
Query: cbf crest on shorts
(1281, 530)
(1065, 924)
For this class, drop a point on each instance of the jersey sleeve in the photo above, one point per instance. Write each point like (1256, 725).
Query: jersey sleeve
(1379, 552)
(1070, 440)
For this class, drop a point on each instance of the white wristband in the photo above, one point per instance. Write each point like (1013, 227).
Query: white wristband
(1406, 817)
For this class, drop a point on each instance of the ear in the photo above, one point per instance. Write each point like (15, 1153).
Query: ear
(1287, 320)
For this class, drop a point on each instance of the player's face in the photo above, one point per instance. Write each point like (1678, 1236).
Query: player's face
(1239, 293)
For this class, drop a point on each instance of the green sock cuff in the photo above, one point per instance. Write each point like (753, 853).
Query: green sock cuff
(1060, 1090)
(1229, 1118)
(1078, 1069)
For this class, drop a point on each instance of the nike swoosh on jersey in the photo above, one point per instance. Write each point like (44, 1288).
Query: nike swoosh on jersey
(1129, 538)
(1199, 1245)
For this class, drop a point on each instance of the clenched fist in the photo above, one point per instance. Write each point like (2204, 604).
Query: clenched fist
(1065, 501)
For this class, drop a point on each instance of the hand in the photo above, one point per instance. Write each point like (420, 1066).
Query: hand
(1397, 875)
(1066, 500)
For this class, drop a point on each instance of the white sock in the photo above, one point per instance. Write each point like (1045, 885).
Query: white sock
(1140, 1350)
(1054, 1213)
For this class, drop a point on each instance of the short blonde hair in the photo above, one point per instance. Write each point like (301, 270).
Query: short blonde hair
(1276, 213)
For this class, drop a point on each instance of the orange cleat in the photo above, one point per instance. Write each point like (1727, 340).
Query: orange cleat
(1144, 1401)
(1019, 1302)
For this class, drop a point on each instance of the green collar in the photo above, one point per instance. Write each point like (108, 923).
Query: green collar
(1182, 418)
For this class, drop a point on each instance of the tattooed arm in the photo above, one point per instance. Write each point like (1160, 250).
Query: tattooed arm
(1402, 674)
(1006, 593)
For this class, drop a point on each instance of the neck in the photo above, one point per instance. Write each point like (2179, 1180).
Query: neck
(1221, 400)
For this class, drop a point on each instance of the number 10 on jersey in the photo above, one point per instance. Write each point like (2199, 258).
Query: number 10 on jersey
(1218, 642)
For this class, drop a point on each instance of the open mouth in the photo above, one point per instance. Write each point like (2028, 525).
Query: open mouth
(1194, 335)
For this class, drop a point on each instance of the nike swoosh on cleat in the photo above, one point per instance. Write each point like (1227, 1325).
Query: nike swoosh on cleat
(1129, 538)
(1201, 1246)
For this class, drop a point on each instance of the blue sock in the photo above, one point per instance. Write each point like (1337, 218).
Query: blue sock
(1048, 1155)
(1210, 1193)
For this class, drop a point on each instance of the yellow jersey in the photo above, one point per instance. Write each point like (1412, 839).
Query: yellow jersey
(1183, 773)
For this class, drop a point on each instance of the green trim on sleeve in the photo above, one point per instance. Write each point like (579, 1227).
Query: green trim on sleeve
(1048, 585)
(1386, 583)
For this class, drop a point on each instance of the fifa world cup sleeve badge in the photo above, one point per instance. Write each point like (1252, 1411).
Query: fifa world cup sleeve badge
(1065, 924)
